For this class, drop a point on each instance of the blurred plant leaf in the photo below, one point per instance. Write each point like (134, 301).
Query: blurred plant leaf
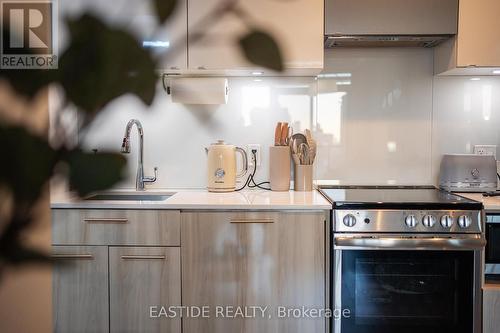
(89, 172)
(27, 162)
(103, 63)
(27, 82)
(16, 253)
(261, 49)
(164, 9)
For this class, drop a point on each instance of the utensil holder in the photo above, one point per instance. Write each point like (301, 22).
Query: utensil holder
(303, 177)
(279, 168)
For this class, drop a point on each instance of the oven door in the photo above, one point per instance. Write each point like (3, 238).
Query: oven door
(416, 284)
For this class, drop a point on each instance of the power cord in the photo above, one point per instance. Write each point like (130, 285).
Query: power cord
(250, 182)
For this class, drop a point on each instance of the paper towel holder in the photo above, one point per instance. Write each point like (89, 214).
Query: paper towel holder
(169, 82)
(166, 83)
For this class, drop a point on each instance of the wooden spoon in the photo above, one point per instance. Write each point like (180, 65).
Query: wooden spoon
(277, 134)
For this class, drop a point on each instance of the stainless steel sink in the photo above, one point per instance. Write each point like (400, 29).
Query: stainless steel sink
(130, 197)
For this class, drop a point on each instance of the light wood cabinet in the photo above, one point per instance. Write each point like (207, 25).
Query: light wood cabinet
(297, 26)
(140, 278)
(116, 227)
(476, 48)
(109, 288)
(80, 289)
(491, 308)
(263, 259)
(274, 260)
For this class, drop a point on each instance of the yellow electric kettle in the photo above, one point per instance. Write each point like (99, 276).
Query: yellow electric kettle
(221, 166)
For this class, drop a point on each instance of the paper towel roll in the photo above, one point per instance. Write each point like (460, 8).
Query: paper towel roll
(199, 90)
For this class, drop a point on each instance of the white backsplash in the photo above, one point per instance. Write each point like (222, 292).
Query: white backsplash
(176, 134)
(466, 113)
(379, 115)
(374, 116)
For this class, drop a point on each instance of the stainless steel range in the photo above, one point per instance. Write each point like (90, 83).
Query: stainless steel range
(405, 259)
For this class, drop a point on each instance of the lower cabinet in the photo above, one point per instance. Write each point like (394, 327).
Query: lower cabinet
(247, 271)
(491, 308)
(113, 289)
(253, 271)
(141, 280)
(80, 289)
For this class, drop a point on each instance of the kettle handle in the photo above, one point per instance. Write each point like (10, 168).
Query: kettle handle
(245, 162)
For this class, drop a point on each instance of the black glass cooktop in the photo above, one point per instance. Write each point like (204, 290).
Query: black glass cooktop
(386, 197)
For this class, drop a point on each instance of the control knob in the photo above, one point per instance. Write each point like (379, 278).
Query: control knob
(446, 221)
(349, 220)
(428, 221)
(411, 221)
(464, 221)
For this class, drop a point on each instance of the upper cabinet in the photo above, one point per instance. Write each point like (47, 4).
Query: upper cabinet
(138, 18)
(476, 48)
(296, 25)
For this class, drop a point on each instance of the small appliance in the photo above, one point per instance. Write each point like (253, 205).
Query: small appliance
(468, 173)
(221, 166)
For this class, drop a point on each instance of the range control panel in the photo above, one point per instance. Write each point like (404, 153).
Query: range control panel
(408, 221)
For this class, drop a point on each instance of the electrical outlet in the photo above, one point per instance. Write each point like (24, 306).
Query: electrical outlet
(251, 147)
(486, 150)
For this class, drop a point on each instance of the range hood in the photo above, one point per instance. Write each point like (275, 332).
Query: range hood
(361, 23)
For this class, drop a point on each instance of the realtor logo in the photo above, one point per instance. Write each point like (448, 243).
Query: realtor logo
(28, 35)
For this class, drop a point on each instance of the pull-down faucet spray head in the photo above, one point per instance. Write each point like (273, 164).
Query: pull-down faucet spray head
(125, 145)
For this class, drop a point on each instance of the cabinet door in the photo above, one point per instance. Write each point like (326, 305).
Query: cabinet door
(140, 278)
(253, 259)
(80, 289)
(491, 308)
(478, 33)
(137, 17)
(297, 25)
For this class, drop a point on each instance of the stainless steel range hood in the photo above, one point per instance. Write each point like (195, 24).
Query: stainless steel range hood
(365, 23)
(384, 40)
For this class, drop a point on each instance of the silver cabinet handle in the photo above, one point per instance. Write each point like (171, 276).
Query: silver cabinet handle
(106, 220)
(263, 220)
(138, 257)
(402, 243)
(72, 257)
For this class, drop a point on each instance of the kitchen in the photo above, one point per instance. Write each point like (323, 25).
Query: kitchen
(351, 131)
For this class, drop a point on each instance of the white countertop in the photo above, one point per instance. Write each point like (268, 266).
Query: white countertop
(491, 204)
(202, 200)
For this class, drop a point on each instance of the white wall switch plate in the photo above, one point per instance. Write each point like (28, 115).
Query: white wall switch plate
(486, 150)
(251, 147)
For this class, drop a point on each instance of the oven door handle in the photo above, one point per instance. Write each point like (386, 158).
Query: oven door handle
(407, 243)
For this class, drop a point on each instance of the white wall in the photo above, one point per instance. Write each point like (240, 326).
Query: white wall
(379, 115)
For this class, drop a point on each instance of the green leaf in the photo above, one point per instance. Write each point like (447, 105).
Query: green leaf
(27, 162)
(103, 63)
(164, 9)
(261, 49)
(89, 172)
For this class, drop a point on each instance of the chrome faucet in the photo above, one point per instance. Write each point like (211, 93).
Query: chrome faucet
(140, 179)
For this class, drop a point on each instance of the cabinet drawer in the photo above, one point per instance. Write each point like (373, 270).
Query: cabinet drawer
(115, 227)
